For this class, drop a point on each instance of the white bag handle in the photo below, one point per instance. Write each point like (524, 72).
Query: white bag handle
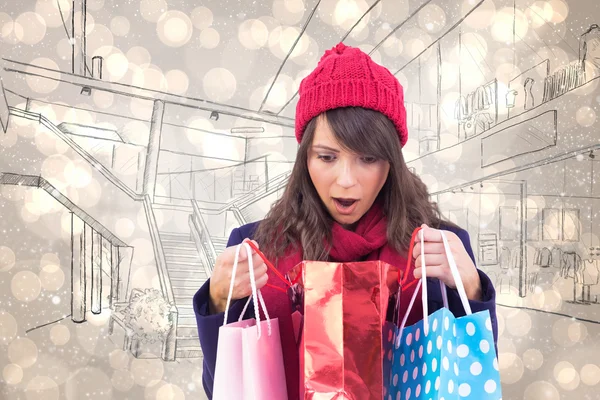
(423, 283)
(256, 294)
(457, 279)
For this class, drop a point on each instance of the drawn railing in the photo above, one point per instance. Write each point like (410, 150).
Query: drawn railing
(563, 80)
(239, 203)
(200, 231)
(110, 243)
(108, 174)
(169, 346)
(186, 177)
(238, 207)
(202, 238)
(239, 217)
(124, 159)
(262, 191)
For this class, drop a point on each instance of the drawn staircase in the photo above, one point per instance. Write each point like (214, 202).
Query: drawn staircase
(187, 275)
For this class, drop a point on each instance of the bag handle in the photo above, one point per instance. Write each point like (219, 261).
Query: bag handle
(402, 285)
(270, 266)
(457, 279)
(256, 294)
(423, 283)
(409, 258)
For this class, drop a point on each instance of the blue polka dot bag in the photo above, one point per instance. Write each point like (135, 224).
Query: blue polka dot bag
(442, 357)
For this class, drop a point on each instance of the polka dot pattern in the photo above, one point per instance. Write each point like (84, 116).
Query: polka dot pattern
(455, 360)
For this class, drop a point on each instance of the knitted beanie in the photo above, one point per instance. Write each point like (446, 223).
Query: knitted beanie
(347, 77)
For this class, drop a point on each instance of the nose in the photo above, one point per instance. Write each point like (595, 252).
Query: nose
(346, 176)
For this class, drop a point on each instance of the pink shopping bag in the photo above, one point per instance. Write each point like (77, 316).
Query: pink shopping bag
(249, 363)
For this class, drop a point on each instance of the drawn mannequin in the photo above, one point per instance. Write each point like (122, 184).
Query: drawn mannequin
(589, 47)
(529, 100)
(591, 277)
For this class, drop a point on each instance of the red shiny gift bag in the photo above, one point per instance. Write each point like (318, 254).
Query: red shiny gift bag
(344, 308)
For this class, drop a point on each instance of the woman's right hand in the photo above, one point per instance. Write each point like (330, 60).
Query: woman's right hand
(221, 277)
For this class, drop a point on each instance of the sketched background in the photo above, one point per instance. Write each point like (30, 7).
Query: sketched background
(137, 134)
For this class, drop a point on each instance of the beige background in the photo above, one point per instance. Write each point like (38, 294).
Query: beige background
(134, 142)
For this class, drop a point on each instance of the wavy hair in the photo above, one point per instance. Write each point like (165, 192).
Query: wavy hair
(300, 217)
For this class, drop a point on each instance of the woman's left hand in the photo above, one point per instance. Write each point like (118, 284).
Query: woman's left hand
(437, 262)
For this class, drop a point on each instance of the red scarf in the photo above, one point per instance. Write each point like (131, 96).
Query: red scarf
(367, 242)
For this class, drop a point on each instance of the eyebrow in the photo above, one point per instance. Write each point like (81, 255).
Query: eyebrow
(323, 147)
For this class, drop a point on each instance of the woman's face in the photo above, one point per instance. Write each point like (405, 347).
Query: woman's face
(347, 183)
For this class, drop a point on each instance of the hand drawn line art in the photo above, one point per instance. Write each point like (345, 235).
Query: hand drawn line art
(128, 157)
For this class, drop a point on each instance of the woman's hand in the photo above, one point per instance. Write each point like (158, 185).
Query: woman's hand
(221, 277)
(437, 263)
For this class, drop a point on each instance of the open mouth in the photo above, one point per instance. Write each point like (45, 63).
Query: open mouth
(344, 204)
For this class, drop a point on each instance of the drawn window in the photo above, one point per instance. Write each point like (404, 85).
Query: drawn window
(551, 224)
(570, 226)
(488, 249)
(533, 224)
(509, 223)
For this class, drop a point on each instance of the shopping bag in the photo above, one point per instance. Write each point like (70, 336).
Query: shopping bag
(343, 308)
(249, 364)
(444, 357)
(389, 336)
(391, 324)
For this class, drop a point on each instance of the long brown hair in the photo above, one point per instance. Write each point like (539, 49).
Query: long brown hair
(300, 217)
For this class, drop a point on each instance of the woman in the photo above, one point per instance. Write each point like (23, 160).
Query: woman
(350, 197)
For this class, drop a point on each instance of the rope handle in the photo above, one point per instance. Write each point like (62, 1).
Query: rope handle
(256, 294)
(409, 259)
(289, 284)
(422, 283)
(270, 266)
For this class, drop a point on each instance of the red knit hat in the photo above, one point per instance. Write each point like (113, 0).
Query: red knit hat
(347, 77)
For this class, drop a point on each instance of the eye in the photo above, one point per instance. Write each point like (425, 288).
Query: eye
(326, 158)
(369, 159)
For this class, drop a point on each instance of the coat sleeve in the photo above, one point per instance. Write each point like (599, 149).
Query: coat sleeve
(208, 324)
(488, 293)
